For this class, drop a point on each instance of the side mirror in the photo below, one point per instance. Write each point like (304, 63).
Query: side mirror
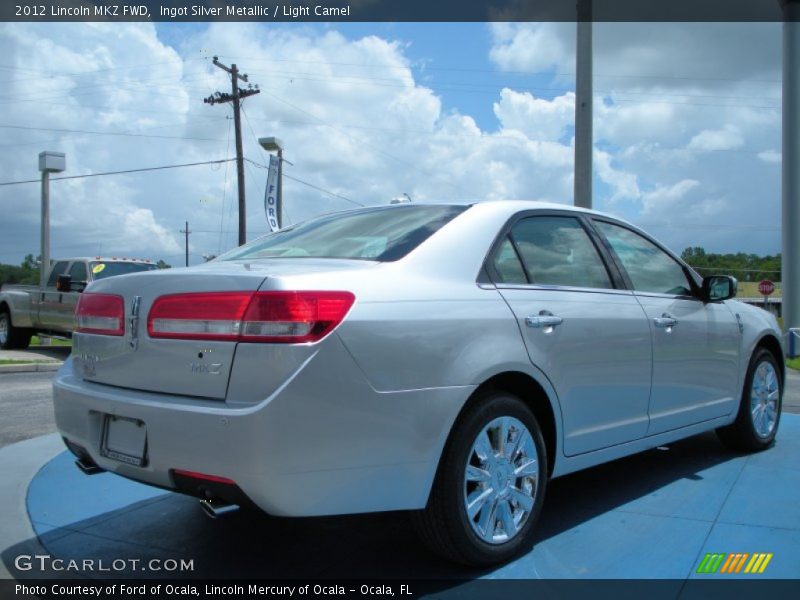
(64, 283)
(717, 288)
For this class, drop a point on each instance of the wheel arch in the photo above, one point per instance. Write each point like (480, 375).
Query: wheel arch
(773, 345)
(532, 393)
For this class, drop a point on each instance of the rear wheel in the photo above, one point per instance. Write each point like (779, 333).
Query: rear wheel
(490, 486)
(760, 408)
(13, 338)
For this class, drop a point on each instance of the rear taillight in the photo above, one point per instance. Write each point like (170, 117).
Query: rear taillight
(102, 314)
(278, 317)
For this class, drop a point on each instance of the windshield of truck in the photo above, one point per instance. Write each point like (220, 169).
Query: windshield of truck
(101, 270)
(380, 234)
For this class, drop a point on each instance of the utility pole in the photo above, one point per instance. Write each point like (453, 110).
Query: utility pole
(583, 107)
(186, 232)
(235, 97)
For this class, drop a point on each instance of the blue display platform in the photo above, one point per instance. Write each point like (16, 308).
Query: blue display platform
(653, 515)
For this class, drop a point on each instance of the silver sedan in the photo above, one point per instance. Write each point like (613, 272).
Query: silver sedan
(443, 359)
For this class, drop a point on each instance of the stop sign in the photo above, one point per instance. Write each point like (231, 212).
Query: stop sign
(766, 287)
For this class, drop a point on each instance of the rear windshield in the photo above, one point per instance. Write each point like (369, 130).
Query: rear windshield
(380, 234)
(101, 270)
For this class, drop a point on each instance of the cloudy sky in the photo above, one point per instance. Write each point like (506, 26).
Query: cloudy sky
(687, 126)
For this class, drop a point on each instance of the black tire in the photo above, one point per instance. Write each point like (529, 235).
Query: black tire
(742, 434)
(13, 338)
(444, 525)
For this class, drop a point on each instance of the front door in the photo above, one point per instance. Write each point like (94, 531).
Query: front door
(695, 344)
(590, 339)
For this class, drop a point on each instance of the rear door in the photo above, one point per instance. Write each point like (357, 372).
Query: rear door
(63, 317)
(695, 345)
(49, 299)
(589, 337)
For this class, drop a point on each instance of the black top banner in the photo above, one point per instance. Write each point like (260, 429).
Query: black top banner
(401, 10)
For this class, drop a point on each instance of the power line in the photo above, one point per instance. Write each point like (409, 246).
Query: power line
(311, 185)
(364, 142)
(161, 168)
(119, 133)
(427, 67)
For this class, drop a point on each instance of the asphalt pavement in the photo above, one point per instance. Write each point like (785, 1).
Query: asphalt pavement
(26, 406)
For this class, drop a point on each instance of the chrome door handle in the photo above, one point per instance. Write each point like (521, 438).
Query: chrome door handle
(543, 321)
(665, 321)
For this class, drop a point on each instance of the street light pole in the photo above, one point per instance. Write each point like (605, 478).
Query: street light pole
(49, 162)
(279, 208)
(791, 165)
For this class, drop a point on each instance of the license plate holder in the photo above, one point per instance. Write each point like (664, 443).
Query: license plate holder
(124, 440)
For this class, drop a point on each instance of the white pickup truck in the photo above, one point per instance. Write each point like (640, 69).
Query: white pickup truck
(28, 309)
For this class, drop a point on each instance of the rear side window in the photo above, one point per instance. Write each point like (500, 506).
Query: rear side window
(380, 234)
(558, 251)
(507, 265)
(650, 268)
(78, 272)
(58, 269)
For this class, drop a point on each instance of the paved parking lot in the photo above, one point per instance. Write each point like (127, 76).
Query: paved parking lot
(653, 515)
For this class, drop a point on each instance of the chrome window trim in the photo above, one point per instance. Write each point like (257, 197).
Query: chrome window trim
(561, 288)
(616, 278)
(673, 296)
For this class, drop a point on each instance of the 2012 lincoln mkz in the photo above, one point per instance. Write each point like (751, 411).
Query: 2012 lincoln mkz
(444, 359)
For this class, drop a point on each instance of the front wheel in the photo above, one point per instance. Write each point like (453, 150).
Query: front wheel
(13, 338)
(760, 409)
(490, 486)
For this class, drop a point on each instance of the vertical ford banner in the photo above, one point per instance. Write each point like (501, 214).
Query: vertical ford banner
(271, 194)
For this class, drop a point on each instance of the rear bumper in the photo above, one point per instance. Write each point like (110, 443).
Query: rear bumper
(323, 443)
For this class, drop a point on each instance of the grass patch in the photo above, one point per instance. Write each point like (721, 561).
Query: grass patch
(749, 289)
(37, 341)
(15, 361)
(793, 363)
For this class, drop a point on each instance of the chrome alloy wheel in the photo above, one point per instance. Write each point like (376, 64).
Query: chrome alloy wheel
(3, 329)
(500, 480)
(764, 397)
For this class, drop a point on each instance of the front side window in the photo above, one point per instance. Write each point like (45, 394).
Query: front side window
(558, 251)
(380, 234)
(650, 268)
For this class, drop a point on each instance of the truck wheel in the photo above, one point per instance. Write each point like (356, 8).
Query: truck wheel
(13, 338)
(490, 487)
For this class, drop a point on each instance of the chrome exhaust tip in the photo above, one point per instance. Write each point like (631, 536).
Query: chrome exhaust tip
(217, 508)
(88, 467)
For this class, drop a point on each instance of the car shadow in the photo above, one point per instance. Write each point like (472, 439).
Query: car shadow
(251, 545)
(46, 352)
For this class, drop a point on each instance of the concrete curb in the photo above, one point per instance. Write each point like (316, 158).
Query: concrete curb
(19, 464)
(31, 367)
